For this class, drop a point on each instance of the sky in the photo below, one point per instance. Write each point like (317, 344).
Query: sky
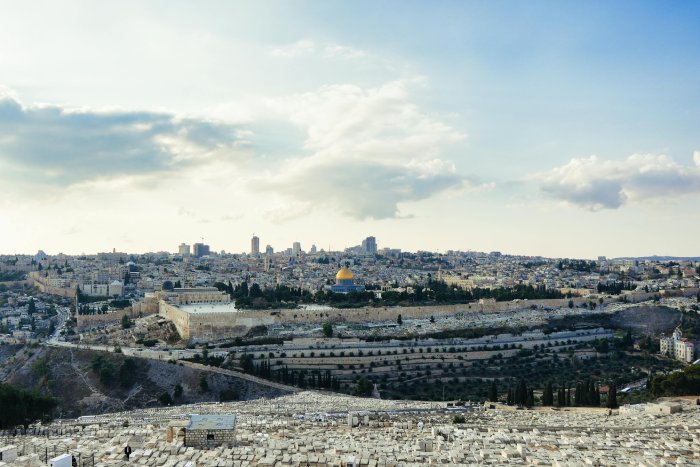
(553, 128)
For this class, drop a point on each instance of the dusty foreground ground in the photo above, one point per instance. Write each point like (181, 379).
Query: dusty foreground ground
(311, 428)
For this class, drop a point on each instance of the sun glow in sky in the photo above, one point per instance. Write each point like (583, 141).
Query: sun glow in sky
(543, 128)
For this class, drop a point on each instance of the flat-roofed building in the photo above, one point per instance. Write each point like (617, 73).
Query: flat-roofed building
(210, 431)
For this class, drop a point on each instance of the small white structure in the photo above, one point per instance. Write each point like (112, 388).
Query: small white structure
(8, 453)
(663, 408)
(64, 460)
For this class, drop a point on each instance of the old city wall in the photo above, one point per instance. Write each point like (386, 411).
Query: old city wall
(35, 280)
(206, 326)
(89, 321)
(178, 317)
(136, 310)
(417, 312)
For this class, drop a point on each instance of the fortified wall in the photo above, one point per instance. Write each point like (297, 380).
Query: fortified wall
(204, 326)
(36, 280)
(134, 311)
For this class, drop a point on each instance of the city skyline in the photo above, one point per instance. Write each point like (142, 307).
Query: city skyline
(541, 129)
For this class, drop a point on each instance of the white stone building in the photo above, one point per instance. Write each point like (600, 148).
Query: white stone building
(677, 347)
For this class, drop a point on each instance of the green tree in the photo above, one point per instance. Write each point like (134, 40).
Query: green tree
(601, 346)
(328, 329)
(399, 320)
(548, 395)
(612, 396)
(106, 373)
(23, 408)
(520, 396)
(229, 395)
(127, 373)
(177, 392)
(246, 362)
(31, 307)
(203, 383)
(126, 322)
(364, 388)
(166, 399)
(627, 341)
(493, 392)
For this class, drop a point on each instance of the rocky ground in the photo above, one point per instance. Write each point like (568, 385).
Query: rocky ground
(648, 319)
(147, 332)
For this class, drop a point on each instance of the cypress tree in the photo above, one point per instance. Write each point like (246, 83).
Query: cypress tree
(530, 400)
(577, 395)
(493, 392)
(612, 396)
(568, 396)
(548, 395)
(521, 393)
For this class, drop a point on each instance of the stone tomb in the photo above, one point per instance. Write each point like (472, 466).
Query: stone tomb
(210, 431)
(8, 453)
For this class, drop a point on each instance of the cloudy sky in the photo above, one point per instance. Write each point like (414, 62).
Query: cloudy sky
(546, 128)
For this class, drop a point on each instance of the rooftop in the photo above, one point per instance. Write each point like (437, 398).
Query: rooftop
(212, 422)
(194, 308)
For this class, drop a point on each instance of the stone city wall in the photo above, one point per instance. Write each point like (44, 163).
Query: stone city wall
(212, 326)
(89, 321)
(134, 311)
(36, 280)
(179, 318)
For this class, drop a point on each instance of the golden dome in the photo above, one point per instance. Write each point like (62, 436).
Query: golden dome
(344, 275)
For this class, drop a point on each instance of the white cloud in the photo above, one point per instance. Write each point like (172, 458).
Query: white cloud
(343, 51)
(51, 145)
(302, 47)
(369, 150)
(308, 47)
(349, 121)
(596, 184)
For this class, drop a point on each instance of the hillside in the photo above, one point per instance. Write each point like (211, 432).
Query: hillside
(87, 382)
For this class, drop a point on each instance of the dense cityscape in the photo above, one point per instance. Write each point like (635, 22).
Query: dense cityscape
(462, 331)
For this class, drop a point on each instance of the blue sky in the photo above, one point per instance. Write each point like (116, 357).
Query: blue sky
(543, 128)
